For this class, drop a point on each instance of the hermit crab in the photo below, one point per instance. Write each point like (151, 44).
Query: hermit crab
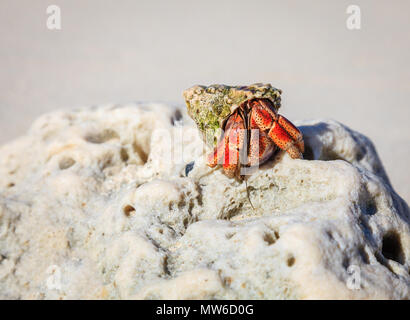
(242, 124)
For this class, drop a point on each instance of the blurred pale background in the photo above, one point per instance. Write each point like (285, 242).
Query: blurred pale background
(121, 51)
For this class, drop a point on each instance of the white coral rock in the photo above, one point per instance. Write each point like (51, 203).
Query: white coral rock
(117, 202)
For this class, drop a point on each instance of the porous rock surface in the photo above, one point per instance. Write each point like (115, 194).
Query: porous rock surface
(116, 202)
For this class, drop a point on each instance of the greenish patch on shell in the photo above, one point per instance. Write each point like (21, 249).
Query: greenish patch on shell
(210, 106)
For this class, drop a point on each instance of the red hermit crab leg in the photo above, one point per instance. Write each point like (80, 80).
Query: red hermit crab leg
(281, 131)
(284, 141)
(260, 147)
(227, 150)
(293, 131)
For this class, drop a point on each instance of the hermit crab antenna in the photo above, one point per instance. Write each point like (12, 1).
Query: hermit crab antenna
(248, 195)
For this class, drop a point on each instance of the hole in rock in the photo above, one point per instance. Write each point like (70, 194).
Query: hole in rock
(360, 154)
(166, 266)
(367, 203)
(66, 163)
(189, 167)
(329, 235)
(267, 237)
(124, 155)
(128, 210)
(11, 185)
(290, 261)
(170, 206)
(140, 151)
(185, 222)
(369, 207)
(346, 262)
(392, 248)
(101, 137)
(176, 118)
(229, 235)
